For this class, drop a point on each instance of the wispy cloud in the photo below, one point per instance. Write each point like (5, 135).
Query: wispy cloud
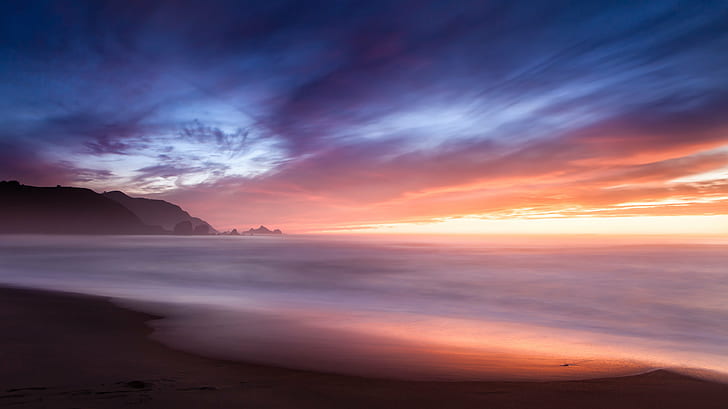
(372, 112)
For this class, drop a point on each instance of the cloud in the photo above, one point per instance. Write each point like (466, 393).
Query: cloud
(634, 158)
(231, 143)
(18, 162)
(369, 111)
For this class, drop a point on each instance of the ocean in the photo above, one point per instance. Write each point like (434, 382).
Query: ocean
(423, 308)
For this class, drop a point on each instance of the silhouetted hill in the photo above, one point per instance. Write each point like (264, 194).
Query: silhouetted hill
(183, 228)
(159, 212)
(64, 210)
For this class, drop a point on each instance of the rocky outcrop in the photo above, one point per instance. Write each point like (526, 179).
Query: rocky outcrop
(262, 230)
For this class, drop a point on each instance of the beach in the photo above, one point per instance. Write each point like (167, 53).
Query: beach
(63, 350)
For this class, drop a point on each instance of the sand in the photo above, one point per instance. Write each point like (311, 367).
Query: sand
(60, 350)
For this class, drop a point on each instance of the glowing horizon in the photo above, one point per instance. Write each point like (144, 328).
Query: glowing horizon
(714, 225)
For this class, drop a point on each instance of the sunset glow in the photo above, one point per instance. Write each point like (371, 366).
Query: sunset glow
(640, 225)
(393, 118)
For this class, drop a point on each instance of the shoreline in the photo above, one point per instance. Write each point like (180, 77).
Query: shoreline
(70, 350)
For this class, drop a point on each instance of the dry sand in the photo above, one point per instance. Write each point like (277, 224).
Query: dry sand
(62, 350)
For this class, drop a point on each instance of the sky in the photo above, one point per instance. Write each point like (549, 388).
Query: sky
(378, 116)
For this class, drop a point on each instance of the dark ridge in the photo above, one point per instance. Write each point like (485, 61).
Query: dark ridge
(64, 210)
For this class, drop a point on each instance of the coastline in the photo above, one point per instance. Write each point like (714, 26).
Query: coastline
(70, 350)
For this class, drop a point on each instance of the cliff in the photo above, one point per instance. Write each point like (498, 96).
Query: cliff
(159, 213)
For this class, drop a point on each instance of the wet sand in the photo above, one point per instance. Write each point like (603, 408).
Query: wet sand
(60, 350)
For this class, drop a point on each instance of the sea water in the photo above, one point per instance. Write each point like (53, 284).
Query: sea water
(409, 307)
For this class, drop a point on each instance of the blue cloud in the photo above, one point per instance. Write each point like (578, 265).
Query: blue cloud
(245, 89)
